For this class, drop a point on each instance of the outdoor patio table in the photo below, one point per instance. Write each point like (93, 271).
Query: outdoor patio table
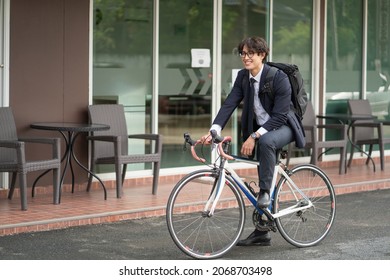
(70, 132)
(350, 120)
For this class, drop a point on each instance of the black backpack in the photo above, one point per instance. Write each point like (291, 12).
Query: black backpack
(299, 96)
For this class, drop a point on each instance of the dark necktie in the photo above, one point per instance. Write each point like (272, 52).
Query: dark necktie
(250, 105)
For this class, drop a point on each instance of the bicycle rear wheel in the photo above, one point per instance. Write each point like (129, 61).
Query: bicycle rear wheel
(196, 233)
(306, 227)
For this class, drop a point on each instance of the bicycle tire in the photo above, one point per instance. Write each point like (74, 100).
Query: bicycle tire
(196, 234)
(310, 226)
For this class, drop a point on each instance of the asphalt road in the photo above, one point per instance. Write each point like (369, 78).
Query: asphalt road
(361, 232)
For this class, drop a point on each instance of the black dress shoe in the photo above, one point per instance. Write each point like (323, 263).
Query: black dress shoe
(263, 200)
(259, 238)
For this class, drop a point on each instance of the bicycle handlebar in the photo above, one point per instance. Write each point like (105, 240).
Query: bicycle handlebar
(215, 139)
(193, 143)
(222, 150)
(220, 141)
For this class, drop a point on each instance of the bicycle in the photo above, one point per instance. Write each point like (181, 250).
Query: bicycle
(206, 210)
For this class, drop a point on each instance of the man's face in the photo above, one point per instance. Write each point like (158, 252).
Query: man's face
(252, 61)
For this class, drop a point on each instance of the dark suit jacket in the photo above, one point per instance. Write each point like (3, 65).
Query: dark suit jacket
(277, 107)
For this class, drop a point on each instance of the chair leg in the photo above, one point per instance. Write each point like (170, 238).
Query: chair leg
(342, 165)
(23, 190)
(382, 156)
(351, 156)
(12, 185)
(124, 173)
(156, 174)
(118, 180)
(314, 156)
(56, 185)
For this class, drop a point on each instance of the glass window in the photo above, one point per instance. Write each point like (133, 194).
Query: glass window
(292, 35)
(185, 72)
(343, 53)
(122, 62)
(240, 19)
(292, 39)
(378, 57)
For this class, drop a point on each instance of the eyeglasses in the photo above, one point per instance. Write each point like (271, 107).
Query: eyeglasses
(249, 54)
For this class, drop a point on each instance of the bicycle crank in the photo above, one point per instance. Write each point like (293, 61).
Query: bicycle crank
(262, 223)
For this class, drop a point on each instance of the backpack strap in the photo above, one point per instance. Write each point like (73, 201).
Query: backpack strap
(269, 82)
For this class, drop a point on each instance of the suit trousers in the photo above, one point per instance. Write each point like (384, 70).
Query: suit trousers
(267, 145)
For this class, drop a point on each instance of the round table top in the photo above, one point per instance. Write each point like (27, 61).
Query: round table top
(68, 126)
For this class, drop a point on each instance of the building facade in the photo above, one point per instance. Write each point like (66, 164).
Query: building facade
(172, 62)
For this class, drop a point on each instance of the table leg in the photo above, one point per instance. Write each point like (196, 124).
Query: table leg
(69, 154)
(86, 169)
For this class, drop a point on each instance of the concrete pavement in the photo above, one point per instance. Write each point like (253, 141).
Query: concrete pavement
(361, 232)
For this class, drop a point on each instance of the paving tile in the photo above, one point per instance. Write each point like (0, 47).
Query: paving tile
(82, 207)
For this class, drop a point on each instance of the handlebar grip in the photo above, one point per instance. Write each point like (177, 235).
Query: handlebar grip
(187, 139)
(216, 137)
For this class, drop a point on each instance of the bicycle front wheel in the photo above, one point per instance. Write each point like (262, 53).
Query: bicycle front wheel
(306, 227)
(194, 231)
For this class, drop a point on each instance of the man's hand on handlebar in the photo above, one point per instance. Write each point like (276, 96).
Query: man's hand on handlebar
(211, 137)
(206, 139)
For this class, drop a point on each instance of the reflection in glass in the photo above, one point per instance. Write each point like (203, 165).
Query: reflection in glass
(344, 53)
(378, 58)
(240, 19)
(292, 35)
(122, 62)
(184, 91)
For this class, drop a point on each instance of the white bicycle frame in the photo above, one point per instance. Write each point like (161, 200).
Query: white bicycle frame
(214, 197)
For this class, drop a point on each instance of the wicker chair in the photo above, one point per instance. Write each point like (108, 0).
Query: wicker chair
(311, 130)
(363, 132)
(111, 146)
(13, 159)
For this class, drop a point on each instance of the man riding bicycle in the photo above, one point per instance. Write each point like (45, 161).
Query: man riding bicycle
(264, 119)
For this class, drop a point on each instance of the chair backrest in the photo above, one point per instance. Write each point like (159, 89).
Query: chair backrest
(114, 116)
(7, 132)
(309, 120)
(361, 107)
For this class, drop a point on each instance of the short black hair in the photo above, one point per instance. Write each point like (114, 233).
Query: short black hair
(255, 44)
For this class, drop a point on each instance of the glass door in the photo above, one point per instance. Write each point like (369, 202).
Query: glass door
(185, 75)
(122, 63)
(240, 19)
